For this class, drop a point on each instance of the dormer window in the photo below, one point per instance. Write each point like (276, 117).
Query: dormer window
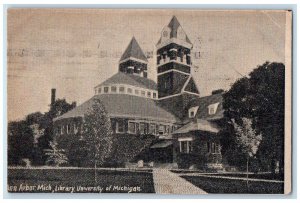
(143, 93)
(137, 92)
(193, 111)
(154, 95)
(212, 109)
(99, 90)
(192, 114)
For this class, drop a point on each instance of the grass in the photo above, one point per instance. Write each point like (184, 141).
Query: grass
(223, 186)
(63, 180)
(267, 176)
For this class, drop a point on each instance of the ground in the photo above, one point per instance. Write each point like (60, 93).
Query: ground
(121, 180)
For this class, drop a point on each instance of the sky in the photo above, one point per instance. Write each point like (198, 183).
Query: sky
(74, 50)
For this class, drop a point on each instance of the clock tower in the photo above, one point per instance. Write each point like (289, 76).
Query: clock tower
(175, 83)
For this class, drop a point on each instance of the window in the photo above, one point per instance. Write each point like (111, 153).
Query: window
(137, 92)
(148, 94)
(113, 89)
(62, 129)
(131, 127)
(161, 129)
(193, 111)
(212, 108)
(154, 95)
(143, 93)
(213, 147)
(75, 128)
(211, 111)
(105, 89)
(192, 114)
(152, 129)
(208, 147)
(143, 128)
(121, 89)
(137, 128)
(99, 90)
(167, 129)
(120, 126)
(185, 146)
(68, 128)
(129, 90)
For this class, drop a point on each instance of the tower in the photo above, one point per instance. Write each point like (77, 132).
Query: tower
(133, 60)
(175, 83)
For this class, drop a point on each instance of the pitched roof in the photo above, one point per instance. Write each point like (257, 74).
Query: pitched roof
(204, 102)
(198, 125)
(130, 79)
(134, 50)
(122, 105)
(174, 25)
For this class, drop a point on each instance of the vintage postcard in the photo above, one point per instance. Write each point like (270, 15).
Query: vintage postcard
(149, 101)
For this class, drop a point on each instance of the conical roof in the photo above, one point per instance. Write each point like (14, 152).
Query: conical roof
(134, 50)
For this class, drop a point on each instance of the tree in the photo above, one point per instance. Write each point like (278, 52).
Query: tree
(20, 142)
(261, 98)
(59, 107)
(56, 156)
(247, 139)
(97, 133)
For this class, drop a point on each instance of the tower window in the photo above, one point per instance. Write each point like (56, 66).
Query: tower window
(105, 89)
(113, 89)
(122, 89)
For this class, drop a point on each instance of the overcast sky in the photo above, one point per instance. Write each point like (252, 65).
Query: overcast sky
(75, 50)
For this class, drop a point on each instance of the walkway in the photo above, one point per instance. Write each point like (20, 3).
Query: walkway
(166, 182)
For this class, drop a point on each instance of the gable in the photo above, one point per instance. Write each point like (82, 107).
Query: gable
(191, 86)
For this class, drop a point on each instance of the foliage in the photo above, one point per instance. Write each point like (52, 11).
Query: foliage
(28, 138)
(59, 107)
(247, 137)
(259, 97)
(97, 133)
(20, 142)
(55, 156)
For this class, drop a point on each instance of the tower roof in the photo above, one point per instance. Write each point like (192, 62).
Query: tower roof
(134, 50)
(174, 25)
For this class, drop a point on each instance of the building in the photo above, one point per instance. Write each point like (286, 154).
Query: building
(184, 124)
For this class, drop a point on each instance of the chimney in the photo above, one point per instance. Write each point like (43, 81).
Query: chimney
(74, 104)
(218, 91)
(53, 91)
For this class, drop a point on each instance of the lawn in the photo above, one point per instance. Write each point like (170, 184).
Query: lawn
(267, 176)
(79, 180)
(222, 186)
